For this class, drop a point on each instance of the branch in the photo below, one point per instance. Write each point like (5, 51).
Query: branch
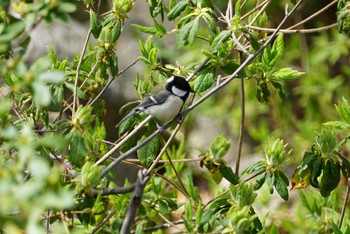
(105, 220)
(344, 205)
(117, 146)
(110, 82)
(183, 113)
(114, 191)
(289, 31)
(135, 201)
(75, 93)
(240, 138)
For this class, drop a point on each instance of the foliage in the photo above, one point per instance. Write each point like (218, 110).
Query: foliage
(55, 160)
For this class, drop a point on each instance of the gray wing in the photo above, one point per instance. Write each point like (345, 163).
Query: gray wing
(157, 99)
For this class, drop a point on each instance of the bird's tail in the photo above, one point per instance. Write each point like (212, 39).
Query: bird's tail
(132, 113)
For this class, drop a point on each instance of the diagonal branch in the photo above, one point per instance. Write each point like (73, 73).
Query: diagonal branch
(183, 113)
(135, 201)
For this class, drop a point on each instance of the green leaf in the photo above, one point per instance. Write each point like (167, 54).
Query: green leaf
(230, 66)
(182, 36)
(260, 180)
(159, 27)
(287, 73)
(188, 216)
(220, 38)
(41, 93)
(147, 153)
(343, 110)
(278, 47)
(77, 149)
(336, 229)
(281, 183)
(272, 54)
(113, 64)
(337, 124)
(254, 167)
(279, 87)
(199, 215)
(263, 93)
(95, 24)
(220, 146)
(52, 77)
(229, 175)
(67, 7)
(305, 201)
(210, 22)
(149, 30)
(11, 31)
(204, 80)
(193, 32)
(80, 93)
(330, 177)
(116, 30)
(53, 141)
(177, 9)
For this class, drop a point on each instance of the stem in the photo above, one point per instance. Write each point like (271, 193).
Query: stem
(344, 204)
(240, 138)
(183, 113)
(135, 201)
(110, 82)
(75, 93)
(105, 220)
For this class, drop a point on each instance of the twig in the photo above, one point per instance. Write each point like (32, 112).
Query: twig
(245, 63)
(162, 226)
(156, 160)
(344, 204)
(240, 138)
(110, 81)
(135, 201)
(105, 220)
(313, 15)
(204, 97)
(135, 148)
(117, 146)
(114, 191)
(254, 9)
(190, 77)
(75, 92)
(288, 31)
(165, 147)
(167, 161)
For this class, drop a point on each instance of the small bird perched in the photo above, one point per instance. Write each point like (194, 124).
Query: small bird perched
(164, 103)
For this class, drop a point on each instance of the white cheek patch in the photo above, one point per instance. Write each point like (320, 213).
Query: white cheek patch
(178, 92)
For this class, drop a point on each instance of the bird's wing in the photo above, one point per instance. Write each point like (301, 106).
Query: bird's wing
(157, 99)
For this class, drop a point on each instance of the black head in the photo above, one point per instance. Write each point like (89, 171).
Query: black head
(179, 86)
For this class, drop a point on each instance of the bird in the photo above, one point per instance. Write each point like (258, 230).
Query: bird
(164, 103)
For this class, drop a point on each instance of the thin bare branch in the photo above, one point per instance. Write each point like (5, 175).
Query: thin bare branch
(117, 146)
(135, 201)
(75, 92)
(114, 191)
(105, 220)
(313, 15)
(183, 113)
(240, 138)
(110, 82)
(344, 204)
(289, 31)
